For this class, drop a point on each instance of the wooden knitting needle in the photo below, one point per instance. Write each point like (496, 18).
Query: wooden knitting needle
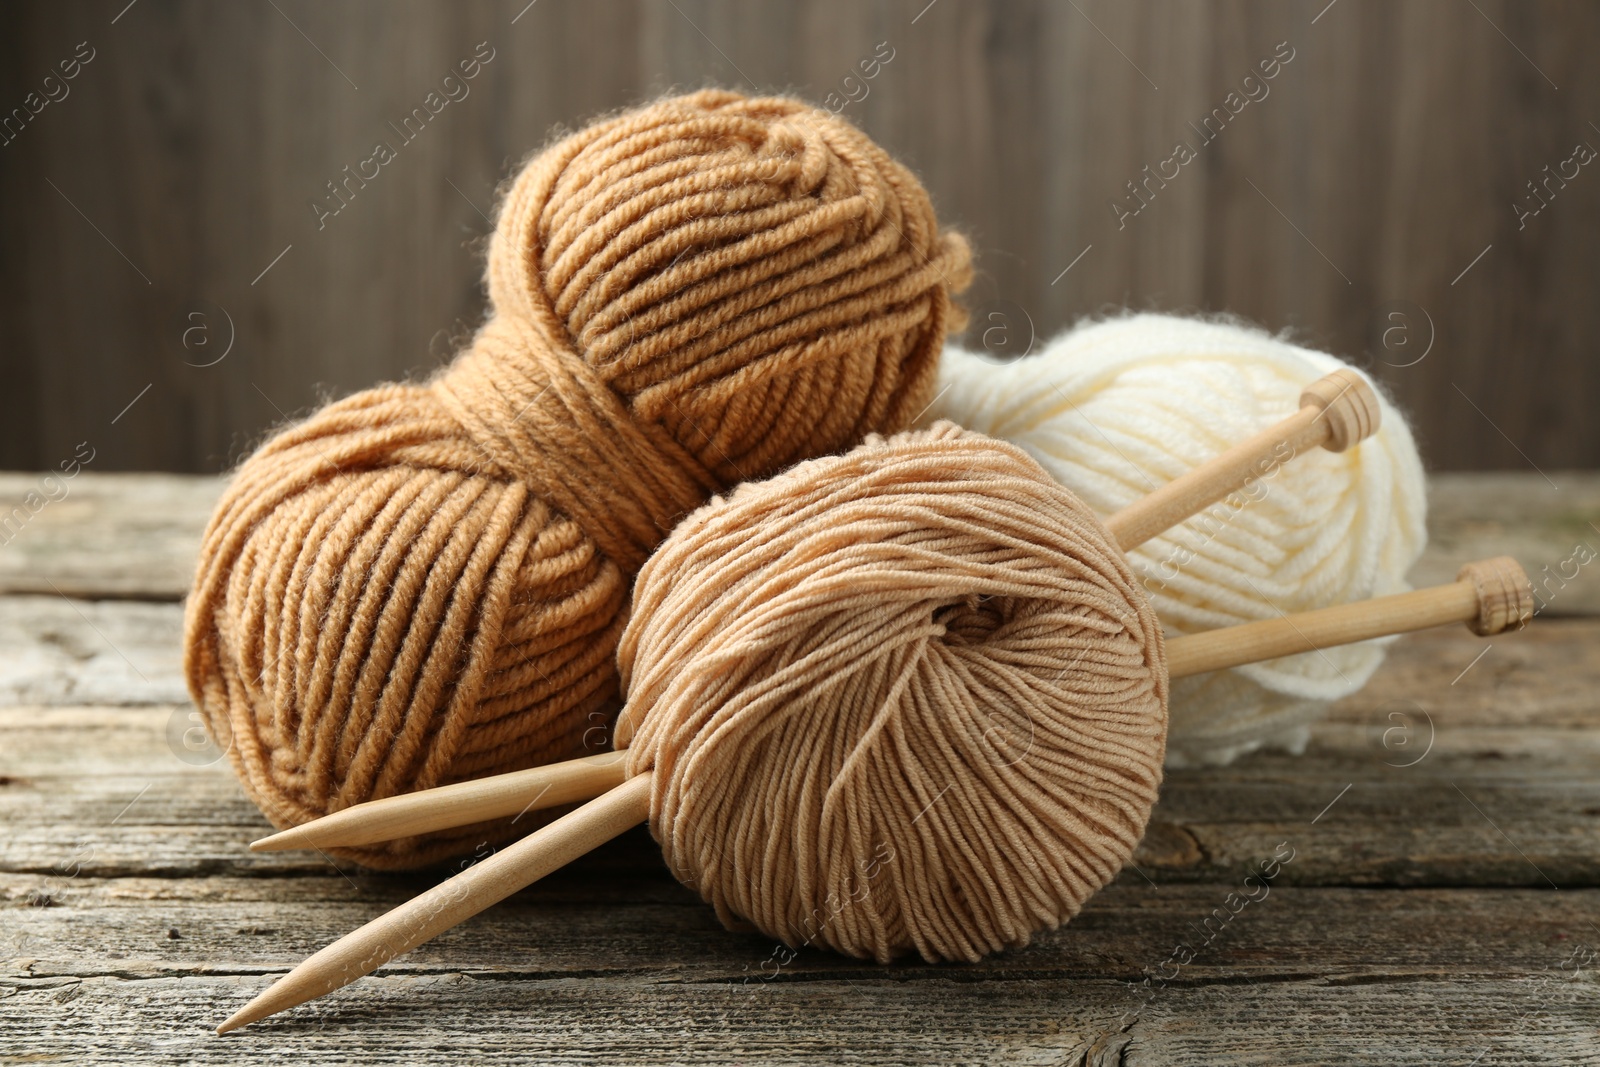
(1335, 412)
(1489, 596)
(460, 804)
(454, 900)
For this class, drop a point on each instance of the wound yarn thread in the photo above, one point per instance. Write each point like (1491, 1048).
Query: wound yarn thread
(1116, 408)
(908, 699)
(423, 583)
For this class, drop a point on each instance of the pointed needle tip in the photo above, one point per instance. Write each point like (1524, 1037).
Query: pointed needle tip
(251, 1012)
(278, 842)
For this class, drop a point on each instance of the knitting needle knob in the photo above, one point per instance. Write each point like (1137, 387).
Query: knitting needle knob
(1505, 596)
(1336, 411)
(1348, 406)
(1490, 596)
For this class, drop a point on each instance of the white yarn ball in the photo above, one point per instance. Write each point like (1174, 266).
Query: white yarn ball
(1116, 408)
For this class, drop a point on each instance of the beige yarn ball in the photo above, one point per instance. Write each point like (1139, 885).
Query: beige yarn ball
(1116, 408)
(908, 699)
(423, 583)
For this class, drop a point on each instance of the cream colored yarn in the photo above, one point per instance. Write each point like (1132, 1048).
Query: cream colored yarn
(1116, 408)
(906, 699)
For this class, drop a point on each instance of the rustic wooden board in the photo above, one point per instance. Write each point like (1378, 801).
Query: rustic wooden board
(626, 946)
(135, 536)
(129, 536)
(1487, 805)
(64, 650)
(1386, 159)
(1419, 921)
(1446, 1018)
(587, 922)
(1549, 525)
(55, 650)
(1543, 676)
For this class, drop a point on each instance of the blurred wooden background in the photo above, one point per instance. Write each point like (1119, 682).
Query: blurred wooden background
(160, 207)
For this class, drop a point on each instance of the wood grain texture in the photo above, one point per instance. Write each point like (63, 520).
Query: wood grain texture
(574, 925)
(1442, 905)
(622, 954)
(1551, 527)
(1386, 155)
(120, 536)
(111, 792)
(490, 1019)
(136, 536)
(65, 650)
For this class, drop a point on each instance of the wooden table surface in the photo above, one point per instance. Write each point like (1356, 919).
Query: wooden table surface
(1442, 905)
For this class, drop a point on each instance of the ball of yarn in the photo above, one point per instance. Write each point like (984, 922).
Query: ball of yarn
(1116, 408)
(425, 582)
(907, 699)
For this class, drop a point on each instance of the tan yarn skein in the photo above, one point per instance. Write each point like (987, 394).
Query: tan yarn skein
(425, 583)
(906, 699)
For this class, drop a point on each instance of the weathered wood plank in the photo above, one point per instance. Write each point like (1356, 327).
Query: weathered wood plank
(55, 650)
(1025, 120)
(575, 928)
(1543, 676)
(587, 921)
(106, 790)
(659, 1018)
(1551, 527)
(110, 535)
(135, 535)
(121, 831)
(59, 650)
